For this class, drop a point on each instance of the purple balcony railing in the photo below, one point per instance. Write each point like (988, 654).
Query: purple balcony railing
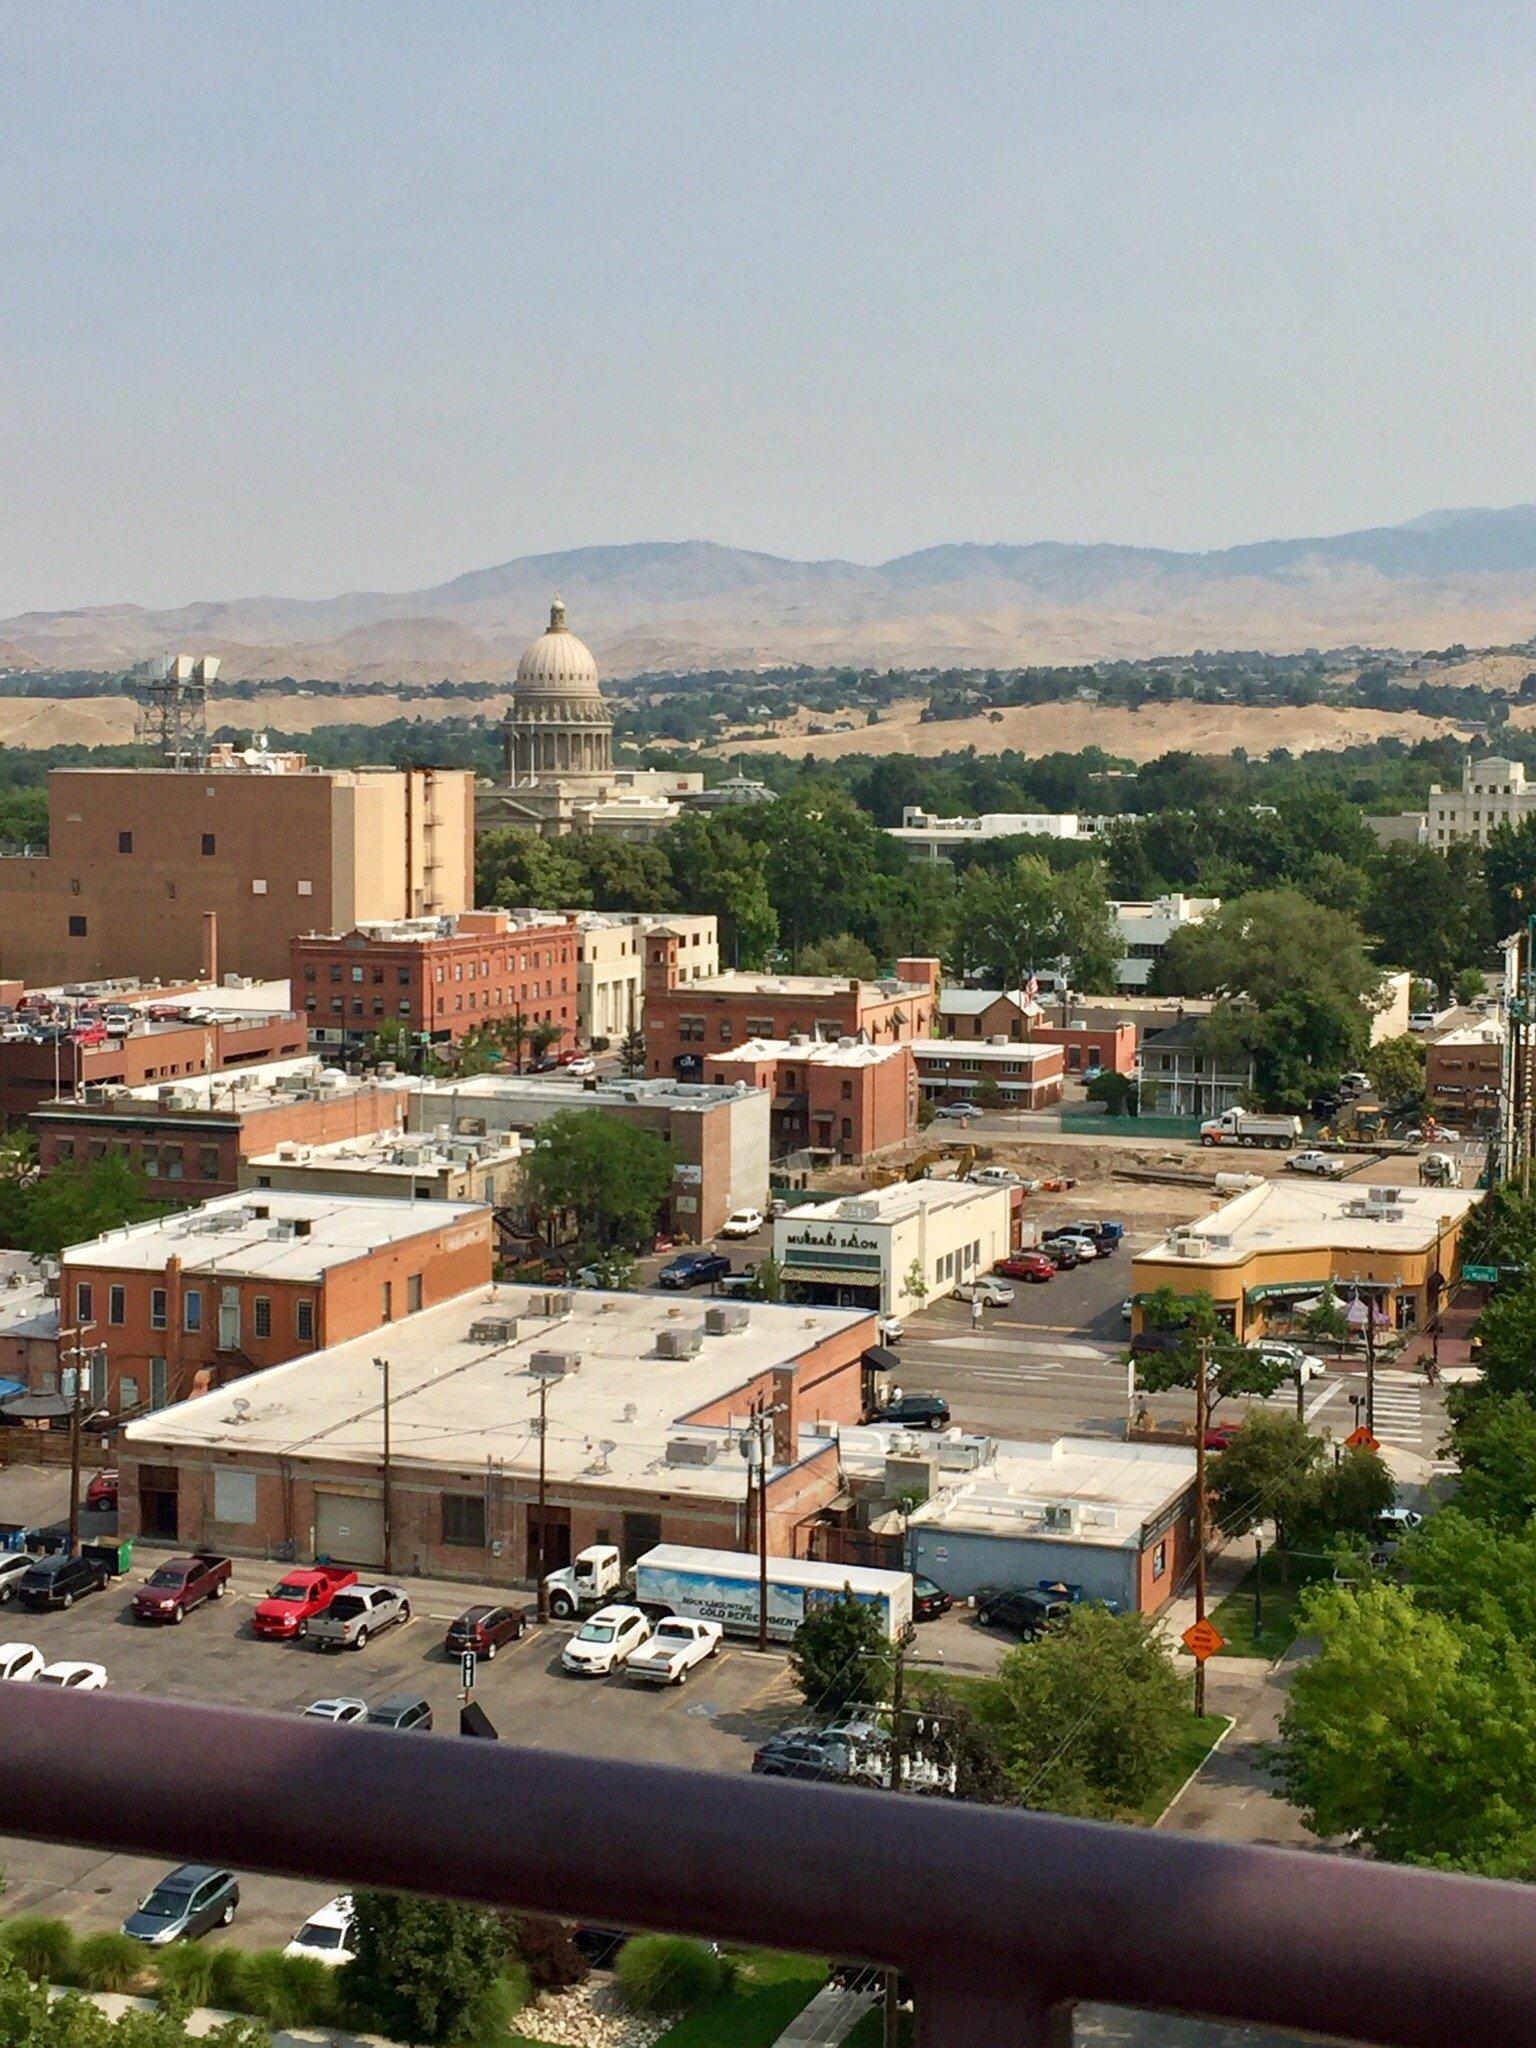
(998, 1918)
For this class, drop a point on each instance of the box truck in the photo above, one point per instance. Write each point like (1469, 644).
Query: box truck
(723, 1586)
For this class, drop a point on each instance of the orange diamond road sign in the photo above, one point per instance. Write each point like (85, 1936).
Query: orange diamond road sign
(1203, 1640)
(1361, 1440)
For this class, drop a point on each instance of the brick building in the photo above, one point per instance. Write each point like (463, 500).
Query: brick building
(169, 872)
(847, 1098)
(1026, 1076)
(663, 1387)
(1087, 1041)
(190, 1136)
(1464, 1075)
(185, 1303)
(438, 977)
(686, 1021)
(33, 1073)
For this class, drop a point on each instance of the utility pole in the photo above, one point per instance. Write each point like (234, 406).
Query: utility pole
(892, 2007)
(76, 1350)
(755, 1449)
(538, 1543)
(1258, 1584)
(1370, 1366)
(1202, 1420)
(389, 1506)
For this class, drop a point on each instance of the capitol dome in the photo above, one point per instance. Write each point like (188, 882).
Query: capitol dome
(557, 662)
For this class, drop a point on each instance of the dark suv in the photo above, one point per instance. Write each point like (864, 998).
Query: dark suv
(484, 1630)
(60, 1581)
(803, 1753)
(693, 1269)
(401, 1710)
(917, 1411)
(1025, 1615)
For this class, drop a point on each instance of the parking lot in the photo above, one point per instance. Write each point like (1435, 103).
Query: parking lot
(713, 1723)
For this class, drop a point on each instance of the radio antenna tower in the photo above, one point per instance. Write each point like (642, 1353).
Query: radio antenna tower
(174, 716)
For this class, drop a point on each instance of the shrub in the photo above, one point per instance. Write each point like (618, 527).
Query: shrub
(550, 1955)
(666, 1973)
(230, 1986)
(107, 1962)
(44, 1948)
(289, 1991)
(184, 1972)
(487, 2019)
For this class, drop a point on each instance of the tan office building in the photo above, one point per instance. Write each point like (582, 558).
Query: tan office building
(171, 873)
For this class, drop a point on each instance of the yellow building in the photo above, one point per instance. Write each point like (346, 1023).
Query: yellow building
(1276, 1245)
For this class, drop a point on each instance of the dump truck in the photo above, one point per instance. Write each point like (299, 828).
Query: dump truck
(1251, 1127)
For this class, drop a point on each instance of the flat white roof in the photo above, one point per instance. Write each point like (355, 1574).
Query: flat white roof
(1111, 1489)
(730, 982)
(813, 1052)
(389, 1153)
(893, 1204)
(458, 1400)
(253, 1235)
(1291, 1214)
(553, 1091)
(255, 1087)
(957, 1051)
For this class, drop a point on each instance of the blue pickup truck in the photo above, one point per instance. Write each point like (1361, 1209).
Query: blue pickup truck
(693, 1269)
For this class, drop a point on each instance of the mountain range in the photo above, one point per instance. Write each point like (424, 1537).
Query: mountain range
(1465, 576)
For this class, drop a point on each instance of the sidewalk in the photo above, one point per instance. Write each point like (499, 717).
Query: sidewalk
(829, 2018)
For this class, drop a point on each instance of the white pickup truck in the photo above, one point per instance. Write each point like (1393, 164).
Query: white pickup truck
(1250, 1127)
(356, 1614)
(674, 1648)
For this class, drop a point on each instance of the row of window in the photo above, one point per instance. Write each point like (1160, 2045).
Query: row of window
(192, 1312)
(210, 848)
(156, 1162)
(956, 1264)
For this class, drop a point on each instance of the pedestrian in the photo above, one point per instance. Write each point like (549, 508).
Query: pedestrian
(977, 1311)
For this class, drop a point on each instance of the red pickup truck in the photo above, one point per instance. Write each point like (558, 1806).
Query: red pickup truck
(179, 1585)
(288, 1608)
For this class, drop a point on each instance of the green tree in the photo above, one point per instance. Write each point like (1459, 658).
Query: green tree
(1469, 985)
(420, 1967)
(1428, 910)
(1093, 1714)
(1015, 921)
(1493, 1439)
(612, 1177)
(632, 1054)
(75, 1203)
(1325, 1321)
(1188, 1324)
(1509, 874)
(841, 955)
(1501, 1230)
(1396, 1069)
(768, 1279)
(1266, 1472)
(1117, 1092)
(1506, 1331)
(841, 1656)
(520, 869)
(1349, 1498)
(541, 1037)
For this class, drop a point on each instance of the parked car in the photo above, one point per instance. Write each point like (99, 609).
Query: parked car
(693, 1269)
(339, 1710)
(1079, 1236)
(1298, 1363)
(1220, 1434)
(484, 1630)
(804, 1753)
(892, 1329)
(1326, 1165)
(996, 1177)
(958, 1109)
(350, 1617)
(1390, 1522)
(179, 1585)
(1128, 1308)
(14, 1566)
(406, 1711)
(326, 1936)
(73, 1677)
(675, 1647)
(1422, 1020)
(101, 1493)
(1108, 1235)
(917, 1411)
(993, 1293)
(603, 1643)
(1023, 1613)
(1062, 1252)
(742, 1223)
(295, 1600)
(928, 1600)
(60, 1581)
(19, 1662)
(1033, 1266)
(582, 1068)
(185, 1903)
(738, 1286)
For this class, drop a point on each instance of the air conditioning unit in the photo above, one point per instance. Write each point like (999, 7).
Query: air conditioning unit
(559, 1303)
(1061, 1515)
(683, 1343)
(725, 1318)
(554, 1365)
(692, 1450)
(493, 1330)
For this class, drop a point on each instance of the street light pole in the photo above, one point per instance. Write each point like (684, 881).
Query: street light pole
(538, 1542)
(1258, 1584)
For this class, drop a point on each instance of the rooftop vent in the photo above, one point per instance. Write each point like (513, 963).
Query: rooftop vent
(679, 1343)
(554, 1365)
(493, 1330)
(558, 1302)
(725, 1318)
(692, 1450)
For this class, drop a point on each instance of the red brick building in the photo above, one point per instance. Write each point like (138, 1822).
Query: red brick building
(981, 1014)
(32, 1073)
(849, 1098)
(687, 1021)
(190, 1136)
(183, 1304)
(1464, 1075)
(439, 977)
(1025, 1076)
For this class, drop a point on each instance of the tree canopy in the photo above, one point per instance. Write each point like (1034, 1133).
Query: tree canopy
(612, 1177)
(1026, 918)
(422, 1967)
(841, 1655)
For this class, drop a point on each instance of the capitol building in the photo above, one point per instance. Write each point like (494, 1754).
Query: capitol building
(557, 742)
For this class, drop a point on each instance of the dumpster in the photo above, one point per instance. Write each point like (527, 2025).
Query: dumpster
(116, 1554)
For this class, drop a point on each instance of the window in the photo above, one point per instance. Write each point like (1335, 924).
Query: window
(208, 1162)
(261, 1312)
(1160, 1556)
(387, 1302)
(335, 970)
(83, 1302)
(725, 1031)
(309, 974)
(306, 888)
(117, 1306)
(847, 1091)
(378, 977)
(157, 1383)
(192, 1310)
(464, 1520)
(210, 845)
(413, 1293)
(127, 1395)
(304, 1322)
(258, 886)
(125, 842)
(847, 1126)
(77, 927)
(336, 1006)
(234, 1497)
(357, 1006)
(157, 1308)
(404, 1006)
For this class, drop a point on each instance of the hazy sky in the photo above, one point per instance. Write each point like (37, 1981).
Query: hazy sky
(300, 298)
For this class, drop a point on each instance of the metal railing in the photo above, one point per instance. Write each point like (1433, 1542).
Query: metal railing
(999, 1919)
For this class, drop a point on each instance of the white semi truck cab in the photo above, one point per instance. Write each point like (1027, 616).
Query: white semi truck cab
(593, 1576)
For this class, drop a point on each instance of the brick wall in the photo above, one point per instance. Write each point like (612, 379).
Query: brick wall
(445, 987)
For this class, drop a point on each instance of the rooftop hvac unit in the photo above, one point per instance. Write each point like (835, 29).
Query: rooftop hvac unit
(553, 1365)
(1059, 1515)
(725, 1318)
(556, 1303)
(966, 1454)
(679, 1343)
(692, 1450)
(493, 1330)
(1187, 1244)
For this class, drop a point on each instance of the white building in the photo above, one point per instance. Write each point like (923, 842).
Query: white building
(1493, 792)
(936, 838)
(610, 962)
(414, 1166)
(1146, 928)
(864, 1251)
